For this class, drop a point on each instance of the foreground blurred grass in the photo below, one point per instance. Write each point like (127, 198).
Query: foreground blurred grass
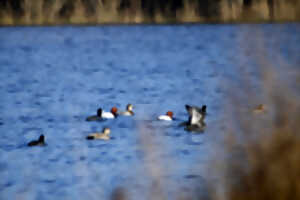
(265, 163)
(42, 12)
(262, 150)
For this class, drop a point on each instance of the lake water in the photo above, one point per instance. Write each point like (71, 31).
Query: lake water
(52, 78)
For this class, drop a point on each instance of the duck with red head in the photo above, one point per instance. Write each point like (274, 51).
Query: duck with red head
(114, 112)
(167, 117)
(101, 114)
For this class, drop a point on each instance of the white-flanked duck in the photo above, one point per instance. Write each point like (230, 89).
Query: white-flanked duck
(39, 142)
(101, 114)
(129, 110)
(167, 117)
(100, 136)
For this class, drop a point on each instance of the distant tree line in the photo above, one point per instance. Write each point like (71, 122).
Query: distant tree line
(205, 7)
(97, 11)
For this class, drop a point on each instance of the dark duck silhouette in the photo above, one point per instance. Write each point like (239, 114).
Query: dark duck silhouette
(39, 142)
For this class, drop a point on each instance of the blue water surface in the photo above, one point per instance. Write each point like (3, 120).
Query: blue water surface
(52, 78)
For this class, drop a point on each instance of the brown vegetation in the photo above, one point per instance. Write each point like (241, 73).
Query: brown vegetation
(262, 160)
(41, 12)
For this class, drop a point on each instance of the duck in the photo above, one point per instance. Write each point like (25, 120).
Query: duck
(101, 114)
(128, 111)
(39, 142)
(100, 136)
(196, 118)
(167, 117)
(259, 109)
(196, 114)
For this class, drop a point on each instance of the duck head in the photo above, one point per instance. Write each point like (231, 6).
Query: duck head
(170, 114)
(203, 109)
(42, 139)
(99, 112)
(106, 131)
(129, 107)
(114, 111)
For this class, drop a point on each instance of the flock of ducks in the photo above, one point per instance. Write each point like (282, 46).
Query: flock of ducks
(195, 122)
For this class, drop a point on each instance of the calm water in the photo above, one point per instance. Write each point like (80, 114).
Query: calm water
(52, 78)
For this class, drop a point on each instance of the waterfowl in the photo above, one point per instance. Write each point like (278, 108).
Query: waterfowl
(101, 114)
(100, 136)
(196, 118)
(110, 115)
(167, 117)
(128, 111)
(39, 142)
(196, 114)
(259, 109)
